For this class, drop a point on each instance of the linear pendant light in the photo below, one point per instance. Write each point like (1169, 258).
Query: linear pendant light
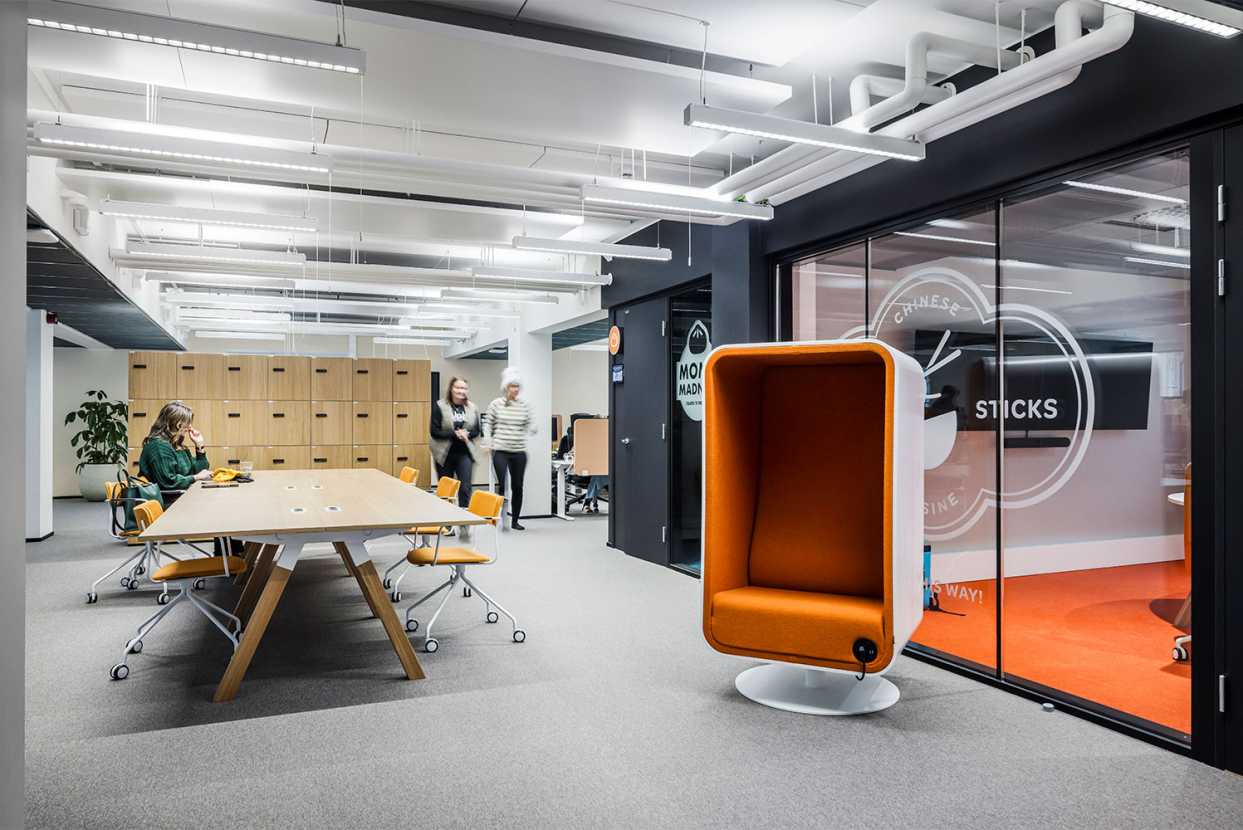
(239, 335)
(673, 202)
(607, 250)
(180, 149)
(801, 132)
(190, 34)
(502, 272)
(1204, 16)
(498, 295)
(212, 254)
(209, 216)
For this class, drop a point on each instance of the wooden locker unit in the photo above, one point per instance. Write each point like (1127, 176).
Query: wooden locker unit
(412, 380)
(377, 456)
(284, 458)
(410, 422)
(373, 379)
(289, 423)
(205, 417)
(332, 457)
(234, 456)
(153, 375)
(416, 456)
(373, 422)
(245, 377)
(242, 423)
(332, 379)
(289, 378)
(200, 376)
(141, 415)
(332, 422)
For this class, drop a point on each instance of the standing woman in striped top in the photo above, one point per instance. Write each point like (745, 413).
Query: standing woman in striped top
(508, 423)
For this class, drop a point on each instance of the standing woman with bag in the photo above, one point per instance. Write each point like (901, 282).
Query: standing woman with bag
(507, 423)
(454, 427)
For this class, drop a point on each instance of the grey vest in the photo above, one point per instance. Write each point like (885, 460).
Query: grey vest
(440, 446)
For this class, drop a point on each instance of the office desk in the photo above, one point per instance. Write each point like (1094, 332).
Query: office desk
(279, 513)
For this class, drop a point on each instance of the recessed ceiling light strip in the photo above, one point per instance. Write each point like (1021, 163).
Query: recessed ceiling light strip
(189, 34)
(1184, 13)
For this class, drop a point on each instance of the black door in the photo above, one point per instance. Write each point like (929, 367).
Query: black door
(639, 506)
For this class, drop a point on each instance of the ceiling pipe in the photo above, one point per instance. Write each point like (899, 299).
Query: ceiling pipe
(1040, 76)
(864, 87)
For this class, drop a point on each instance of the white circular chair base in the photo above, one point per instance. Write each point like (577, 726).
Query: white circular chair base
(814, 691)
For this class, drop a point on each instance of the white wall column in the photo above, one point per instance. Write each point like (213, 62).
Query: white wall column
(39, 386)
(531, 355)
(13, 412)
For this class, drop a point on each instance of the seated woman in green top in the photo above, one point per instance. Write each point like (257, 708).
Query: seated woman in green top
(165, 459)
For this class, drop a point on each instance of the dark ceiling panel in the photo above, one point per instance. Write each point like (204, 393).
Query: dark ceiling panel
(586, 333)
(60, 280)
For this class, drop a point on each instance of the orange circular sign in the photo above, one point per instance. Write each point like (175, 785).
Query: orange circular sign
(614, 340)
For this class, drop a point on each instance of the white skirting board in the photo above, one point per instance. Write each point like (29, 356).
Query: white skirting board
(971, 565)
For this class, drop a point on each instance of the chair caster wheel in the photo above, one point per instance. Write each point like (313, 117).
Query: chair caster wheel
(1180, 654)
(136, 647)
(200, 584)
(92, 598)
(119, 672)
(387, 583)
(431, 645)
(412, 625)
(140, 570)
(466, 592)
(491, 617)
(162, 599)
(519, 635)
(125, 580)
(132, 585)
(395, 596)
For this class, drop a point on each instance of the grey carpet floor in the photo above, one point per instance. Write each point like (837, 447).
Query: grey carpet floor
(614, 713)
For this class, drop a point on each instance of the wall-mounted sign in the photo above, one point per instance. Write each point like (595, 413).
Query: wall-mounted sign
(618, 372)
(615, 340)
(688, 375)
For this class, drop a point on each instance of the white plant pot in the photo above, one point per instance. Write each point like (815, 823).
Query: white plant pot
(91, 480)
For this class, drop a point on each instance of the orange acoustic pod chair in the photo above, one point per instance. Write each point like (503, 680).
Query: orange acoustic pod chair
(813, 518)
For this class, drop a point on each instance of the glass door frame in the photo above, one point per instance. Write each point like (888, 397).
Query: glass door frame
(1209, 739)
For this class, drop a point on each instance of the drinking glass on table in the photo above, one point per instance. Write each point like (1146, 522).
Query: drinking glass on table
(247, 467)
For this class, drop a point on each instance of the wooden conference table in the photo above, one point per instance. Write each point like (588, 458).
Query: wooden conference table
(279, 513)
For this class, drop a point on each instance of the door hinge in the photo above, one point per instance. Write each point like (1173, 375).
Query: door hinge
(662, 328)
(1221, 693)
(1221, 203)
(1221, 278)
(663, 530)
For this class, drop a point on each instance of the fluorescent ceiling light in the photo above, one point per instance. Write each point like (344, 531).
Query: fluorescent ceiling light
(674, 202)
(498, 295)
(590, 347)
(177, 149)
(189, 34)
(470, 311)
(941, 238)
(605, 249)
(1197, 14)
(212, 254)
(801, 132)
(232, 314)
(501, 272)
(1125, 191)
(1162, 250)
(1161, 262)
(239, 335)
(208, 216)
(406, 341)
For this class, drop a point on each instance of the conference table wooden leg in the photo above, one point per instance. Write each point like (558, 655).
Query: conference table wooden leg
(274, 586)
(369, 582)
(249, 553)
(264, 562)
(344, 550)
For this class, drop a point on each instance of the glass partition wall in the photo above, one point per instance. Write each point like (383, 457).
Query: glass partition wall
(1056, 467)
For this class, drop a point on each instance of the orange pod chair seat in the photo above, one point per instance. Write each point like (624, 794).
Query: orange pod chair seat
(813, 518)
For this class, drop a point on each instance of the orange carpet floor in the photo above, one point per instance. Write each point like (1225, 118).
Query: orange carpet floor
(1104, 635)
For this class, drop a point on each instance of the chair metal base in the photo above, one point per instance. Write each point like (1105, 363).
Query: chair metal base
(814, 691)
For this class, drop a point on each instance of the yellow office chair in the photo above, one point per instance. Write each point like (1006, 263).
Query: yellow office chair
(144, 560)
(409, 475)
(457, 559)
(447, 489)
(184, 576)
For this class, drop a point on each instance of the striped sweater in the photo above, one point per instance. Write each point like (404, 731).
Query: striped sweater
(508, 423)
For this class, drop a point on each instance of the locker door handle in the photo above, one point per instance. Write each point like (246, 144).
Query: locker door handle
(403, 415)
(235, 461)
(320, 460)
(364, 458)
(361, 415)
(402, 372)
(278, 414)
(235, 368)
(234, 415)
(321, 371)
(187, 368)
(403, 458)
(278, 368)
(278, 461)
(361, 371)
(321, 414)
(140, 414)
(140, 366)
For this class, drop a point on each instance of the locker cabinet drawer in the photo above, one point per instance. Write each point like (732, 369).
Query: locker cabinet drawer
(284, 458)
(410, 422)
(289, 378)
(200, 376)
(373, 422)
(412, 380)
(245, 377)
(141, 415)
(234, 456)
(373, 379)
(332, 457)
(332, 379)
(332, 422)
(376, 456)
(416, 456)
(242, 423)
(289, 423)
(153, 375)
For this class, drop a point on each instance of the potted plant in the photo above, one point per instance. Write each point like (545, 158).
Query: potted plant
(100, 443)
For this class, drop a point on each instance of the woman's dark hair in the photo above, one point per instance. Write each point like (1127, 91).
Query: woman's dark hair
(449, 390)
(173, 418)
